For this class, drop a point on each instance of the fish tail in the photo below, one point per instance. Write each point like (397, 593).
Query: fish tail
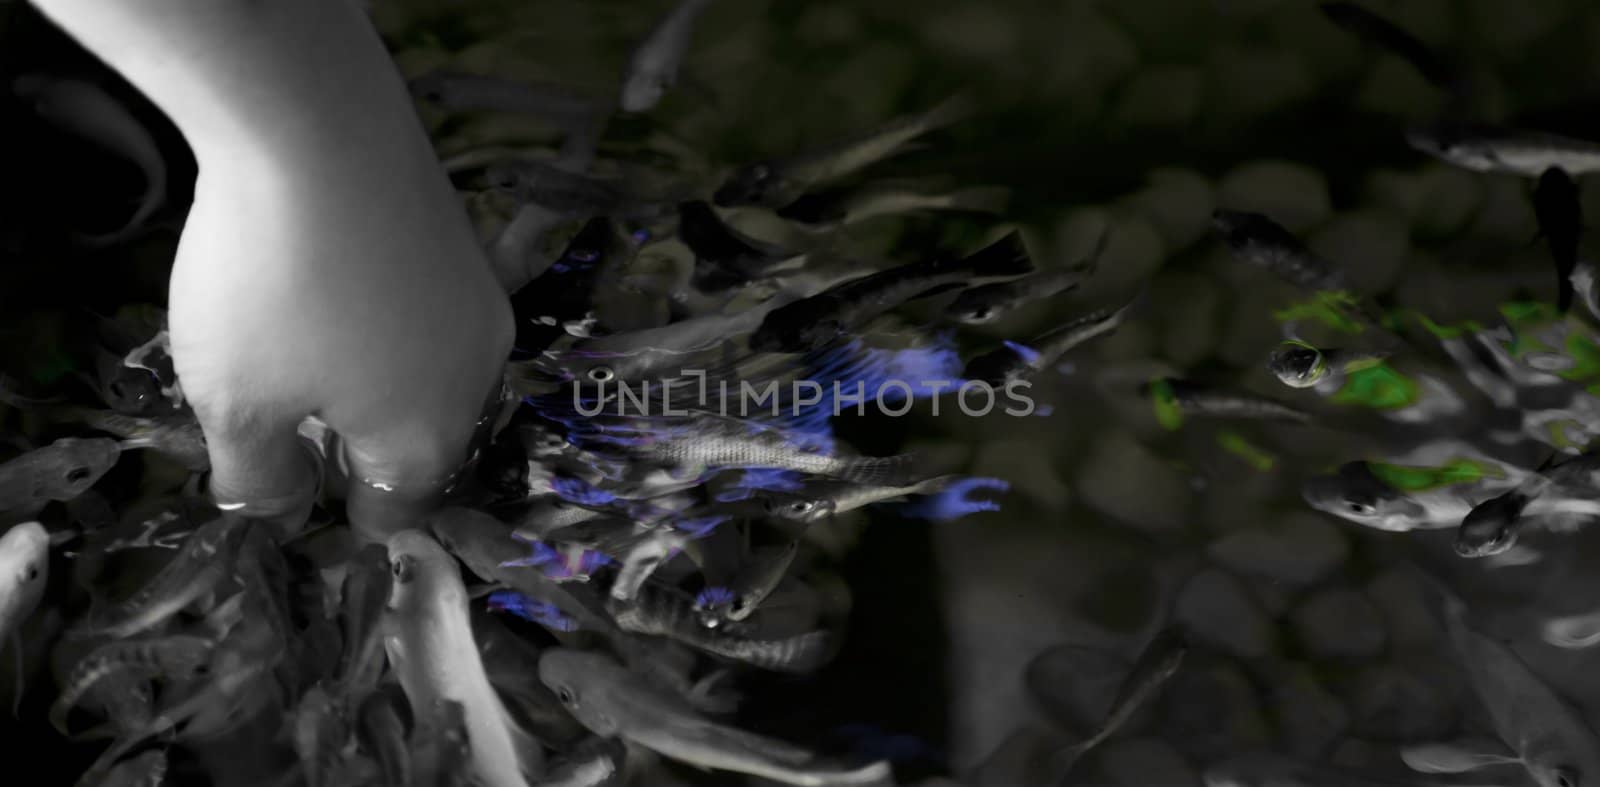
(880, 471)
(980, 199)
(948, 112)
(1003, 258)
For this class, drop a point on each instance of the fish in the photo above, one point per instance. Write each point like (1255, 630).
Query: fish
(811, 323)
(155, 358)
(319, 735)
(59, 471)
(363, 596)
(510, 661)
(834, 209)
(1358, 494)
(565, 192)
(1301, 365)
(549, 515)
(1510, 151)
(563, 295)
(1456, 756)
(1554, 744)
(724, 257)
(178, 437)
(757, 579)
(773, 183)
(205, 558)
(177, 657)
(146, 769)
(653, 66)
(87, 111)
(24, 570)
(1257, 239)
(592, 767)
(486, 547)
(455, 91)
(429, 642)
(1560, 215)
(126, 389)
(695, 443)
(381, 733)
(1016, 361)
(612, 702)
(1565, 489)
(1584, 282)
(1177, 399)
(990, 302)
(666, 612)
(1380, 32)
(653, 353)
(542, 612)
(1157, 663)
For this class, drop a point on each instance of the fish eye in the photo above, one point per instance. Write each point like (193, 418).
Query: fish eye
(33, 572)
(802, 507)
(1565, 778)
(77, 474)
(565, 695)
(404, 568)
(602, 374)
(1358, 507)
(980, 314)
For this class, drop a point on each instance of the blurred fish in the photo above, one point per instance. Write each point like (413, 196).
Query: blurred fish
(566, 192)
(319, 736)
(1156, 665)
(1262, 242)
(126, 389)
(653, 67)
(1584, 281)
(590, 767)
(613, 702)
(990, 302)
(206, 557)
(362, 599)
(1017, 362)
(462, 92)
(1567, 489)
(1300, 365)
(430, 644)
(1266, 769)
(563, 296)
(652, 353)
(486, 547)
(1456, 757)
(155, 357)
(1560, 215)
(542, 612)
(177, 658)
(24, 570)
(1380, 32)
(1552, 741)
(777, 182)
(1529, 154)
(725, 257)
(813, 322)
(381, 732)
(148, 769)
(834, 209)
(1396, 498)
(60, 471)
(86, 111)
(178, 437)
(757, 579)
(1177, 399)
(125, 699)
(546, 516)
(665, 612)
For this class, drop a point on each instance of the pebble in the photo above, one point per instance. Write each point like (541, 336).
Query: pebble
(1211, 710)
(1160, 96)
(1276, 79)
(1294, 195)
(1216, 609)
(1300, 549)
(1145, 762)
(1178, 203)
(1339, 624)
(1074, 685)
(1447, 199)
(1402, 599)
(1310, 718)
(1189, 303)
(1391, 703)
(1123, 479)
(1369, 247)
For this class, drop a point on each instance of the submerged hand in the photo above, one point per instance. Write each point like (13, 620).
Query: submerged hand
(326, 267)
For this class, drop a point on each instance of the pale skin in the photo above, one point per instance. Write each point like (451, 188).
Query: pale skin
(327, 267)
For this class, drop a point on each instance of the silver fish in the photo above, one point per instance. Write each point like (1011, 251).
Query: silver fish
(759, 577)
(177, 657)
(653, 67)
(1262, 242)
(1554, 744)
(382, 734)
(24, 569)
(665, 612)
(1356, 494)
(778, 182)
(206, 557)
(653, 353)
(60, 471)
(1156, 665)
(612, 702)
(429, 642)
(1016, 361)
(462, 92)
(1563, 490)
(823, 211)
(85, 110)
(990, 302)
(486, 546)
(1506, 150)
(1194, 399)
(362, 598)
(568, 193)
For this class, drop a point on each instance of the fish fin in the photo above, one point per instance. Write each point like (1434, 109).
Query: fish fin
(1457, 756)
(1006, 257)
(981, 199)
(881, 470)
